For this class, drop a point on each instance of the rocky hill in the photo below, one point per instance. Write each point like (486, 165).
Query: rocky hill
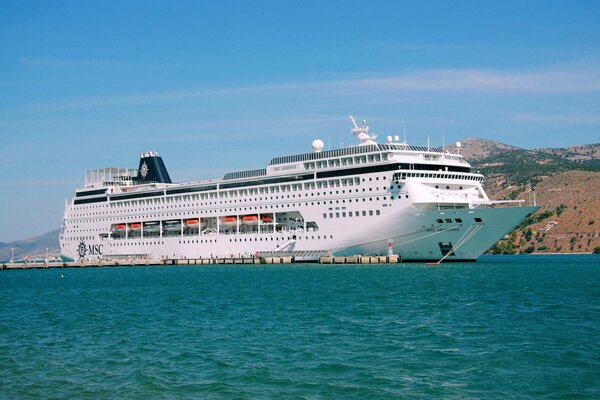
(566, 182)
(33, 248)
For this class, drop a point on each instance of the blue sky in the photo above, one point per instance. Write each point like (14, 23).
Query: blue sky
(222, 86)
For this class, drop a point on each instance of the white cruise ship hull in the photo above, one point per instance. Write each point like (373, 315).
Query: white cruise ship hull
(415, 235)
(370, 199)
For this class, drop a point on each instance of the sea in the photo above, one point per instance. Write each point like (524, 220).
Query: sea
(505, 327)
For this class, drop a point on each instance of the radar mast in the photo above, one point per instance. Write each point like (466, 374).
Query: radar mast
(362, 132)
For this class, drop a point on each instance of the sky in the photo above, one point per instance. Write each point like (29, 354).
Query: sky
(221, 86)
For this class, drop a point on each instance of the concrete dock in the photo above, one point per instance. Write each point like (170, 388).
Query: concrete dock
(200, 261)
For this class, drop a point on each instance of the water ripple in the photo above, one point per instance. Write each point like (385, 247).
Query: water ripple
(505, 327)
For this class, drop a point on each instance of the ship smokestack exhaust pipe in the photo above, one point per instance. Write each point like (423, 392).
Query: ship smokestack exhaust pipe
(152, 169)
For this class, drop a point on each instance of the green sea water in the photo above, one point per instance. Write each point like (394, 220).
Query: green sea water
(504, 327)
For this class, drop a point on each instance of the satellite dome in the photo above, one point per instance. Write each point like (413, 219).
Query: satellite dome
(317, 145)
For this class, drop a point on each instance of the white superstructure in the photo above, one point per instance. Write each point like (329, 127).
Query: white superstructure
(423, 203)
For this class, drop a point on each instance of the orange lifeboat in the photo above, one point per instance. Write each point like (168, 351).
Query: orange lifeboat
(230, 220)
(192, 223)
(135, 226)
(250, 219)
(120, 227)
(266, 219)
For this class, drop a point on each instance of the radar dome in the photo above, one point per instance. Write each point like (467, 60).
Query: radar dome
(458, 144)
(389, 139)
(317, 145)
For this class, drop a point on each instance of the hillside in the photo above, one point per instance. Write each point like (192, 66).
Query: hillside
(474, 149)
(33, 248)
(566, 182)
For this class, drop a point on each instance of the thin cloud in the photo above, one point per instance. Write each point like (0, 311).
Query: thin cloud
(60, 63)
(397, 46)
(218, 131)
(482, 81)
(67, 63)
(40, 183)
(560, 119)
(448, 80)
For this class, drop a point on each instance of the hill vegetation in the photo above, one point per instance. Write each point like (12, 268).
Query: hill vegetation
(565, 182)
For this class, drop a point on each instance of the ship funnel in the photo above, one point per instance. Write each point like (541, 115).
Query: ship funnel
(152, 169)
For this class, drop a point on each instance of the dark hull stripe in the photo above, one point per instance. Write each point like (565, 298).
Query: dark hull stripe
(92, 200)
(135, 196)
(90, 193)
(192, 189)
(266, 181)
(269, 181)
(390, 167)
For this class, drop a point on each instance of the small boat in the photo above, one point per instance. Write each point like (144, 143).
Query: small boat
(266, 219)
(135, 226)
(250, 220)
(230, 220)
(153, 226)
(172, 226)
(120, 227)
(192, 223)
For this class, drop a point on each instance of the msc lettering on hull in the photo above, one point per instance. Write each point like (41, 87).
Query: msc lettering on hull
(89, 250)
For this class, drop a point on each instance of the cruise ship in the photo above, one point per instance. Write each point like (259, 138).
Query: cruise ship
(420, 203)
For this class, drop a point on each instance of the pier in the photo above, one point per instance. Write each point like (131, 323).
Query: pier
(200, 261)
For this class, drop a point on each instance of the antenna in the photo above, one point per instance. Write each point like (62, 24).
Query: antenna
(443, 144)
(404, 130)
(427, 143)
(362, 132)
(353, 122)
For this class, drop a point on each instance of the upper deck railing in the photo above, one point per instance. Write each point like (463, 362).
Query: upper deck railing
(352, 151)
(99, 176)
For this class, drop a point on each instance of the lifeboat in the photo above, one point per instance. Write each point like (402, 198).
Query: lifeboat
(266, 219)
(250, 220)
(192, 223)
(230, 220)
(135, 226)
(172, 226)
(151, 227)
(120, 227)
